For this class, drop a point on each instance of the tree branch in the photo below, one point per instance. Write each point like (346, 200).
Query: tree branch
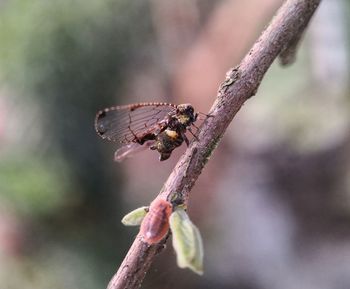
(240, 84)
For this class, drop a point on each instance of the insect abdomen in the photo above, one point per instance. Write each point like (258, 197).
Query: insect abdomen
(155, 225)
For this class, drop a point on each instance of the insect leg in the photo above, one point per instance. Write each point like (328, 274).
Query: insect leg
(189, 129)
(194, 126)
(207, 115)
(135, 136)
(185, 138)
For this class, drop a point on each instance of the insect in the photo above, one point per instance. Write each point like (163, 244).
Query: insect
(156, 125)
(155, 225)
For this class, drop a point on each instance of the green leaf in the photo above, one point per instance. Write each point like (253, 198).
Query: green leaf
(187, 241)
(135, 217)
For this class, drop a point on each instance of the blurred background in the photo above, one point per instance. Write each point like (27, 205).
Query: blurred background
(273, 203)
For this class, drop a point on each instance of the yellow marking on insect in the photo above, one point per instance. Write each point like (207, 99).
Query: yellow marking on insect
(171, 133)
(183, 118)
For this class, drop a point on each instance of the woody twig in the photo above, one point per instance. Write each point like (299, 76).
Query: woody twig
(241, 84)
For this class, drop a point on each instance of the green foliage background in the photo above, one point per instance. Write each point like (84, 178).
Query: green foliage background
(65, 60)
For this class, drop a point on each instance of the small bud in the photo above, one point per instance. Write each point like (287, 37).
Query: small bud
(135, 217)
(155, 225)
(187, 242)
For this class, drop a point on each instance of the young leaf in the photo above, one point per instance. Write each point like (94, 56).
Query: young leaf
(135, 217)
(187, 241)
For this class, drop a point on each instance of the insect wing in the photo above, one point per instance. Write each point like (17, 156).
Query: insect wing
(132, 123)
(130, 150)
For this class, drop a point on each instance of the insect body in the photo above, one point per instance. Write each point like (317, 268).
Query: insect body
(160, 126)
(155, 225)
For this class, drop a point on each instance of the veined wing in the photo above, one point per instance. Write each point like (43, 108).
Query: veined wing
(130, 150)
(132, 123)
